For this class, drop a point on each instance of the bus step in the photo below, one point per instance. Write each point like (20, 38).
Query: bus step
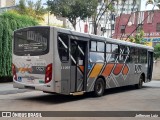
(77, 93)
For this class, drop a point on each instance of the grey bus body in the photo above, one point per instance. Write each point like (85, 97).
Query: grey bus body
(66, 62)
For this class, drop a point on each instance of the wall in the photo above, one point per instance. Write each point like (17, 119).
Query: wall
(156, 70)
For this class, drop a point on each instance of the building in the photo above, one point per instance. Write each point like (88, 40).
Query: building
(127, 7)
(7, 3)
(148, 21)
(106, 24)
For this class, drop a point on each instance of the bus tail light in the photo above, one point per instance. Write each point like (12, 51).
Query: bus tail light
(14, 72)
(48, 75)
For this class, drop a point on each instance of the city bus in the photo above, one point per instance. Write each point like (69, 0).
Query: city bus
(61, 61)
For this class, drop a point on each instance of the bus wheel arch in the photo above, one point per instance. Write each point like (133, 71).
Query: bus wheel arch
(143, 75)
(99, 86)
(141, 81)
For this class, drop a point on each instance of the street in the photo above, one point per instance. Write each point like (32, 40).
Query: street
(117, 99)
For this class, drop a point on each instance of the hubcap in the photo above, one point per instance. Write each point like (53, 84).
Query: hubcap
(99, 87)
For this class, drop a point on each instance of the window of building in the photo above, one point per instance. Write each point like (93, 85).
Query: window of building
(150, 17)
(158, 27)
(122, 28)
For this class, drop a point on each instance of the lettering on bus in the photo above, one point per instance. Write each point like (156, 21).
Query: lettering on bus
(138, 68)
(31, 35)
(65, 67)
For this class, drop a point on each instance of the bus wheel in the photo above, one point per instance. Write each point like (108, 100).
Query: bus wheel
(99, 87)
(140, 84)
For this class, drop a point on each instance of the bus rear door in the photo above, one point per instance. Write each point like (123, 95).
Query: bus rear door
(79, 58)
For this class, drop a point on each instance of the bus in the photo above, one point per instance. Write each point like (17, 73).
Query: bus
(57, 60)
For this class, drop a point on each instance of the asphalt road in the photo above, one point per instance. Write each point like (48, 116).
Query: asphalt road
(117, 99)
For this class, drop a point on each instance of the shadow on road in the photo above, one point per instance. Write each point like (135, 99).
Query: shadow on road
(58, 99)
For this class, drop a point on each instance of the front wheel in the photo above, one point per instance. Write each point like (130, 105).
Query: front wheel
(140, 84)
(99, 87)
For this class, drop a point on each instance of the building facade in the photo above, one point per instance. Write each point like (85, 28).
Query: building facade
(148, 21)
(7, 3)
(127, 6)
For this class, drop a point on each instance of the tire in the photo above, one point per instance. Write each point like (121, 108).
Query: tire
(99, 87)
(140, 84)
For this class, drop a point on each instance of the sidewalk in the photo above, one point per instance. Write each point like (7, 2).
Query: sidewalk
(7, 88)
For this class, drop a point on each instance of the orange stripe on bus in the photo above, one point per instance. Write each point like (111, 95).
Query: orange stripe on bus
(96, 70)
(125, 70)
(108, 69)
(81, 68)
(118, 69)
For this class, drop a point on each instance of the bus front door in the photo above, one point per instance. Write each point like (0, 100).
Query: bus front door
(78, 66)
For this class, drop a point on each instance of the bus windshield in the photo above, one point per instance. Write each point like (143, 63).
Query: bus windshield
(32, 41)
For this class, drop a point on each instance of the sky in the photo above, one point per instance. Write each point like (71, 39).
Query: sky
(43, 1)
(148, 7)
(143, 7)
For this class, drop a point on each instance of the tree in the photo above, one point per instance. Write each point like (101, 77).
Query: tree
(73, 9)
(107, 6)
(138, 37)
(157, 51)
(9, 22)
(32, 9)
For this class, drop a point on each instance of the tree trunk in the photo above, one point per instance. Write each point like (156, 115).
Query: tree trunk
(73, 22)
(95, 28)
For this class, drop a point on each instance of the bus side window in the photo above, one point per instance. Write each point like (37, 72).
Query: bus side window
(97, 51)
(100, 46)
(143, 56)
(93, 46)
(132, 54)
(63, 42)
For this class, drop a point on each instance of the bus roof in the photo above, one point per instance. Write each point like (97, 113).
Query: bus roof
(101, 38)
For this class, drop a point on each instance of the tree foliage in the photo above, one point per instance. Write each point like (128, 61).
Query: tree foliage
(138, 37)
(157, 51)
(107, 6)
(30, 8)
(9, 22)
(73, 9)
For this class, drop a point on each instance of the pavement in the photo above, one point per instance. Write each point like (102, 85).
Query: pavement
(117, 99)
(7, 88)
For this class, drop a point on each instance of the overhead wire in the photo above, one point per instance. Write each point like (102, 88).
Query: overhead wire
(141, 23)
(134, 4)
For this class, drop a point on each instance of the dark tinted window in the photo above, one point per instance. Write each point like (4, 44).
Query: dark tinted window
(33, 41)
(143, 56)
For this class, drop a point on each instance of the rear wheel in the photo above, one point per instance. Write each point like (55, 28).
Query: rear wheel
(140, 84)
(99, 87)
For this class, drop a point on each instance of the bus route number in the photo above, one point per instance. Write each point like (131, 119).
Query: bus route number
(65, 67)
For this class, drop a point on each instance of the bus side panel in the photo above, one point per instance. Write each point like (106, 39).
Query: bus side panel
(57, 64)
(115, 74)
(62, 69)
